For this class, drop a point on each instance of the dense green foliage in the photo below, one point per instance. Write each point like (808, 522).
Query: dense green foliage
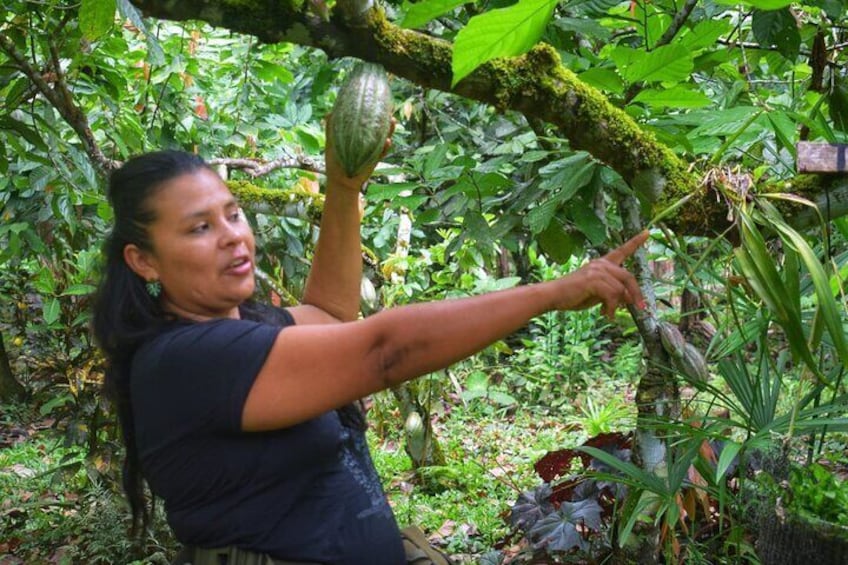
(489, 199)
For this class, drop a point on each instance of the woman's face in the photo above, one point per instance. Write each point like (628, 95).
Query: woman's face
(203, 248)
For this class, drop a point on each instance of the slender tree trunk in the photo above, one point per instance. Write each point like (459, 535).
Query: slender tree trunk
(10, 389)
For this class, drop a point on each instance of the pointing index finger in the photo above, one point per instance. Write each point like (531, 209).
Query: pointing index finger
(619, 254)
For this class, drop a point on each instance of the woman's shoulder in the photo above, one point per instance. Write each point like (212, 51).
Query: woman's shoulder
(265, 313)
(209, 337)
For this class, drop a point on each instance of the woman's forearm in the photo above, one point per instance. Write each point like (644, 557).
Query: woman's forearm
(418, 339)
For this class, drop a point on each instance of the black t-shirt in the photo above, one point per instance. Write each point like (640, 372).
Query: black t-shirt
(304, 493)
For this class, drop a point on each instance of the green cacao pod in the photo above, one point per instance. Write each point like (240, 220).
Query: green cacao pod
(416, 435)
(692, 364)
(672, 340)
(362, 117)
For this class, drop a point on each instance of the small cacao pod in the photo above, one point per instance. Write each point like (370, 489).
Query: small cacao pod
(692, 364)
(361, 118)
(672, 340)
(368, 301)
(415, 435)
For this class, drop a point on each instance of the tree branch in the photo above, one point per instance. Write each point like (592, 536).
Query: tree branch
(258, 167)
(677, 23)
(61, 99)
(536, 84)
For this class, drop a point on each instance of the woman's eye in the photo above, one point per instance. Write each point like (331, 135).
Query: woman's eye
(235, 216)
(200, 228)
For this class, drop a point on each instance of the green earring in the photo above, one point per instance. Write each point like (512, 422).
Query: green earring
(154, 288)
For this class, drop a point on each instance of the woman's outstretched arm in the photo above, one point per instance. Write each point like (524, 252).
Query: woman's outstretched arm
(313, 369)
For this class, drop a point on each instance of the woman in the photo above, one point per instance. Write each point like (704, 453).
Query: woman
(242, 418)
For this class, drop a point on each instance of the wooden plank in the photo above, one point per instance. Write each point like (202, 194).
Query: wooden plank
(822, 157)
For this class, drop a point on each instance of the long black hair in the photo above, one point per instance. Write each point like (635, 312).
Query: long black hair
(125, 314)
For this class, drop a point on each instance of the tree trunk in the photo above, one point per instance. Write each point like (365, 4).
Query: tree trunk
(10, 389)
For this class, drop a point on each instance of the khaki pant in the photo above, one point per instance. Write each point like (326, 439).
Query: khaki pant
(418, 552)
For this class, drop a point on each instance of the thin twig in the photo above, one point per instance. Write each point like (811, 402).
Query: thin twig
(258, 167)
(677, 23)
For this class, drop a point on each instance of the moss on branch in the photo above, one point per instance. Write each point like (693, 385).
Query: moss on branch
(295, 201)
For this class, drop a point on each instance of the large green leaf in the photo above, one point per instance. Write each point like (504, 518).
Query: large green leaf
(420, 13)
(538, 218)
(603, 79)
(826, 302)
(704, 34)
(723, 122)
(24, 130)
(777, 28)
(584, 26)
(51, 310)
(558, 244)
(677, 96)
(668, 63)
(505, 32)
(760, 270)
(96, 17)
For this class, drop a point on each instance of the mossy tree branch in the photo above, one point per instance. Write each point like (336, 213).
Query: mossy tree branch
(536, 84)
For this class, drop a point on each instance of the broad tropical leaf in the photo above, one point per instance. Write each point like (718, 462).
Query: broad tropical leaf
(668, 63)
(505, 32)
(96, 17)
(420, 13)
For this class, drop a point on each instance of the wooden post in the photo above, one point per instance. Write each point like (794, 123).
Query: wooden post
(822, 157)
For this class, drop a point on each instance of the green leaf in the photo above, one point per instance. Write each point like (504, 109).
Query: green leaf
(420, 13)
(826, 302)
(377, 191)
(540, 217)
(270, 71)
(28, 133)
(633, 475)
(558, 244)
(723, 122)
(728, 453)
(592, 8)
(603, 79)
(760, 270)
(477, 381)
(568, 175)
(759, 4)
(777, 28)
(704, 35)
(668, 63)
(505, 32)
(678, 96)
(96, 17)
(478, 228)
(784, 130)
(51, 310)
(837, 104)
(79, 290)
(584, 26)
(589, 223)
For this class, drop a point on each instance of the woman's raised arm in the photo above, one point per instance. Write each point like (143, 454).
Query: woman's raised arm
(332, 288)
